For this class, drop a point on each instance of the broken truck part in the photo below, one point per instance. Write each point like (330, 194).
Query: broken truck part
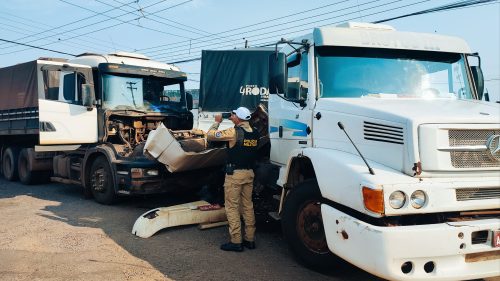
(85, 121)
(190, 213)
(182, 150)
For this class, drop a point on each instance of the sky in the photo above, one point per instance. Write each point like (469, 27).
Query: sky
(177, 30)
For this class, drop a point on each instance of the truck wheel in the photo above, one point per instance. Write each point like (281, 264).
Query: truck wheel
(9, 163)
(101, 181)
(26, 176)
(302, 226)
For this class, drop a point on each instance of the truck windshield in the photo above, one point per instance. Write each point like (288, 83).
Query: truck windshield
(150, 94)
(362, 72)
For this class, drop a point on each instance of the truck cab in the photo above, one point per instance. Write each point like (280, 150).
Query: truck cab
(388, 157)
(106, 128)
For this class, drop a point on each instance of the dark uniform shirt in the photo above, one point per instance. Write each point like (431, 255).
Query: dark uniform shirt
(228, 135)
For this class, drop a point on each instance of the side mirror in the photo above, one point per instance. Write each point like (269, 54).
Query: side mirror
(277, 73)
(88, 96)
(477, 74)
(189, 100)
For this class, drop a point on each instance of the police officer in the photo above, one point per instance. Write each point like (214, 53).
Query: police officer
(238, 186)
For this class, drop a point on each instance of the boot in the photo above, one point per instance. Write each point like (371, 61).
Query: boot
(234, 247)
(249, 244)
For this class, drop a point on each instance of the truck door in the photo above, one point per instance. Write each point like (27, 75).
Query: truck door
(290, 123)
(63, 118)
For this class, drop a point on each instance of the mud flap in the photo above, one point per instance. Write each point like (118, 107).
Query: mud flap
(157, 219)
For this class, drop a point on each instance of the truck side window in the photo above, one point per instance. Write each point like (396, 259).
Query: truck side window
(72, 92)
(297, 80)
(51, 84)
(69, 87)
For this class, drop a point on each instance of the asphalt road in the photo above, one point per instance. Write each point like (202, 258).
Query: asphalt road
(181, 253)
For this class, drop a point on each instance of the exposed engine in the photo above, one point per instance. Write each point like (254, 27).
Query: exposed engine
(129, 131)
(128, 134)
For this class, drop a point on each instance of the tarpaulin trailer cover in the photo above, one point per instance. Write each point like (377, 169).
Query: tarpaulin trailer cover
(18, 86)
(234, 78)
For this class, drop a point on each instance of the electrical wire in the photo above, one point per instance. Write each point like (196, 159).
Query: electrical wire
(440, 8)
(93, 31)
(243, 27)
(283, 26)
(58, 27)
(287, 28)
(447, 7)
(19, 30)
(128, 22)
(144, 13)
(36, 47)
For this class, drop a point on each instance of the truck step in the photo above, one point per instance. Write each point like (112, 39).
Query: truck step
(66, 181)
(274, 215)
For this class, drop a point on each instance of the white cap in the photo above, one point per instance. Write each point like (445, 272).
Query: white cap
(243, 113)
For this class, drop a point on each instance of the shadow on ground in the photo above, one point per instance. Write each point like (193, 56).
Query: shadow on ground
(181, 253)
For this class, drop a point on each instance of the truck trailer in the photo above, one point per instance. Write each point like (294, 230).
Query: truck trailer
(387, 155)
(85, 121)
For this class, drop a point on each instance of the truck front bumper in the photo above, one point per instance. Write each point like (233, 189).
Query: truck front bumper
(442, 251)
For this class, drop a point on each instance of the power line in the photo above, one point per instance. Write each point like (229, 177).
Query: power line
(157, 16)
(107, 27)
(439, 8)
(467, 3)
(313, 22)
(285, 27)
(462, 4)
(58, 27)
(18, 30)
(36, 47)
(128, 12)
(243, 27)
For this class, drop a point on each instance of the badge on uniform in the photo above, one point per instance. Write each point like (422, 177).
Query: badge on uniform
(218, 134)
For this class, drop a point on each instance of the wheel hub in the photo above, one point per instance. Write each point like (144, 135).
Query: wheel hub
(310, 227)
(97, 180)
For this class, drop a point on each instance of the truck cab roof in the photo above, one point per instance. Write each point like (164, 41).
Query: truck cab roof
(135, 59)
(368, 35)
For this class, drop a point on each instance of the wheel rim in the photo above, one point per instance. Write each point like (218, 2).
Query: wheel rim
(98, 180)
(310, 227)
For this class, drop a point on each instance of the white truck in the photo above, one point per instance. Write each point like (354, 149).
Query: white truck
(387, 156)
(85, 121)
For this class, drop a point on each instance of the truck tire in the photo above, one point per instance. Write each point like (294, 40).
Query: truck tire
(9, 163)
(101, 182)
(302, 226)
(26, 176)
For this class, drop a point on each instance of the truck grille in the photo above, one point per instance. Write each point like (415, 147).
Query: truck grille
(465, 194)
(472, 159)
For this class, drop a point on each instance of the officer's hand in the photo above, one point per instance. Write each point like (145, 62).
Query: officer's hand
(218, 118)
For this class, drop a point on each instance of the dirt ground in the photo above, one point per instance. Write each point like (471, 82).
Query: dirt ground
(49, 232)
(38, 245)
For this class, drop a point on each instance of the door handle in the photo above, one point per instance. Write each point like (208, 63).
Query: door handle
(318, 115)
(280, 131)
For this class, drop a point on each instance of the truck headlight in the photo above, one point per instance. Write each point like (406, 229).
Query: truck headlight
(418, 199)
(140, 172)
(397, 199)
(152, 172)
(136, 172)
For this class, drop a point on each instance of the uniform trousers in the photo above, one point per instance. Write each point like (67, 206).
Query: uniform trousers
(238, 189)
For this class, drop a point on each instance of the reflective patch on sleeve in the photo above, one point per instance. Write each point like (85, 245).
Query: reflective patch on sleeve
(218, 134)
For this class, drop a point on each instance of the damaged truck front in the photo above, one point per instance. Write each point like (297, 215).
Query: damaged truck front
(94, 115)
